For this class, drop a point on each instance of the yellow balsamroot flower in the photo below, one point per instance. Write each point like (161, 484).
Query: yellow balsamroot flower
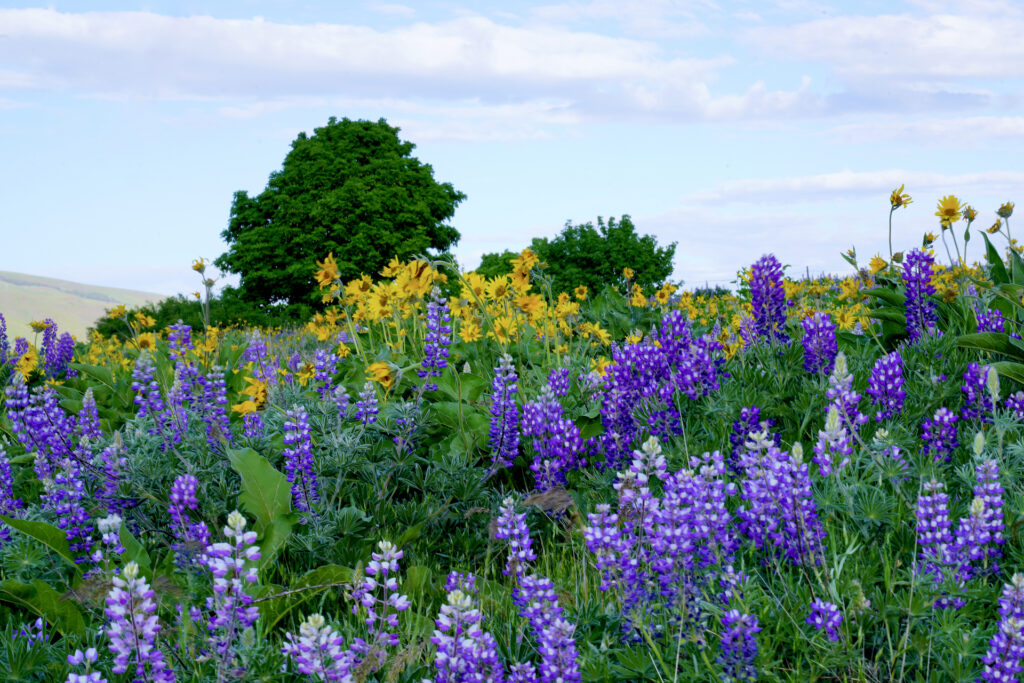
(356, 290)
(561, 349)
(498, 288)
(527, 260)
(949, 209)
(146, 341)
(197, 295)
(469, 331)
(970, 213)
(877, 264)
(600, 365)
(305, 373)
(143, 320)
(328, 271)
(1006, 210)
(393, 268)
(245, 407)
(28, 362)
(638, 299)
(506, 329)
(521, 280)
(39, 325)
(634, 337)
(628, 273)
(899, 198)
(530, 304)
(118, 311)
(380, 372)
(199, 265)
(665, 293)
(257, 391)
(995, 227)
(343, 351)
(581, 293)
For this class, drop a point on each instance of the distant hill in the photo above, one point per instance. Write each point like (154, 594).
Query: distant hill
(72, 305)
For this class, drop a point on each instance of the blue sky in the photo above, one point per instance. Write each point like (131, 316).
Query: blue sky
(732, 128)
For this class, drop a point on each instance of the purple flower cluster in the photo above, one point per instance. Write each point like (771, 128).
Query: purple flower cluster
(1015, 404)
(1002, 662)
(88, 658)
(325, 366)
(504, 433)
(40, 425)
(834, 446)
(819, 341)
(978, 402)
(557, 442)
(840, 394)
(825, 616)
(438, 339)
(779, 511)
(252, 426)
(886, 386)
(739, 647)
(917, 277)
(5, 345)
(377, 594)
(939, 434)
(189, 535)
(232, 565)
(88, 423)
(768, 298)
(9, 503)
(749, 423)
(66, 498)
(512, 527)
(558, 381)
(133, 627)
(538, 603)
(148, 399)
(934, 534)
(318, 651)
(212, 407)
(258, 353)
(465, 652)
(990, 320)
(298, 459)
(367, 407)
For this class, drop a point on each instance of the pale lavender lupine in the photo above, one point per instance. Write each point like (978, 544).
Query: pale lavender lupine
(133, 627)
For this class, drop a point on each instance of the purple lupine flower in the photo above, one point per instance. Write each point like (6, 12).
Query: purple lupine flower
(819, 343)
(133, 627)
(33, 633)
(258, 353)
(522, 672)
(341, 401)
(978, 402)
(825, 616)
(939, 434)
(750, 422)
(179, 340)
(739, 647)
(557, 442)
(112, 463)
(990, 320)
(610, 544)
(1002, 661)
(189, 535)
(980, 534)
(318, 651)
(917, 276)
(935, 539)
(840, 394)
(779, 510)
(1015, 403)
(298, 460)
(172, 422)
(20, 349)
(558, 380)
(555, 636)
(110, 547)
(512, 526)
(66, 498)
(768, 297)
(835, 445)
(48, 349)
(232, 565)
(367, 407)
(252, 426)
(325, 366)
(504, 433)
(437, 341)
(88, 422)
(465, 652)
(149, 400)
(5, 346)
(212, 407)
(62, 355)
(88, 658)
(9, 503)
(377, 594)
(886, 386)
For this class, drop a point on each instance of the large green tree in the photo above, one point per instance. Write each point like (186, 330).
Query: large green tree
(594, 256)
(352, 188)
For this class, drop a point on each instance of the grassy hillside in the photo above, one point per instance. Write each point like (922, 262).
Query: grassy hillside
(73, 305)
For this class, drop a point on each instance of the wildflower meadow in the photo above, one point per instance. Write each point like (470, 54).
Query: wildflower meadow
(450, 477)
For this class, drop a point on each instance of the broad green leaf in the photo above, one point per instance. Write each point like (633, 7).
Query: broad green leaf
(889, 296)
(100, 373)
(43, 601)
(266, 493)
(996, 342)
(999, 275)
(274, 536)
(1010, 370)
(47, 534)
(133, 550)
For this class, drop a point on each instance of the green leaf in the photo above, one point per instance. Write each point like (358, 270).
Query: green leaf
(998, 272)
(889, 296)
(133, 550)
(43, 601)
(101, 374)
(274, 536)
(47, 534)
(1010, 370)
(266, 493)
(272, 611)
(891, 315)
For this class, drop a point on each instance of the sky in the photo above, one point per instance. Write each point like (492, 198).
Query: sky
(733, 129)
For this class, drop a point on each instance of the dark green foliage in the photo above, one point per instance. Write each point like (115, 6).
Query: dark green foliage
(493, 265)
(352, 188)
(595, 256)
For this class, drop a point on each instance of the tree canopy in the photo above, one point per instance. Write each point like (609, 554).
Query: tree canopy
(352, 189)
(592, 256)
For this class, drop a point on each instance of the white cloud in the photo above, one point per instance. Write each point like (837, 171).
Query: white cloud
(646, 18)
(852, 185)
(401, 11)
(139, 54)
(938, 132)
